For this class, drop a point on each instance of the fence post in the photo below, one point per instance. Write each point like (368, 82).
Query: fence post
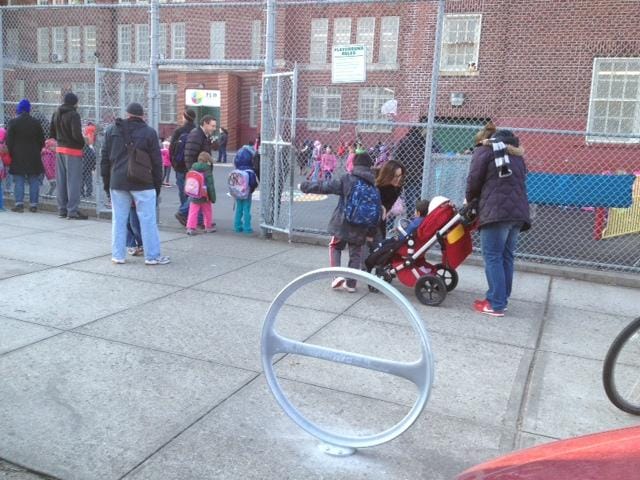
(265, 164)
(96, 106)
(154, 107)
(1, 69)
(433, 100)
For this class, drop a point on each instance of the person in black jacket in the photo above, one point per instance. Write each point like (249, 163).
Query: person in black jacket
(123, 190)
(222, 145)
(199, 140)
(175, 145)
(66, 128)
(25, 140)
(503, 212)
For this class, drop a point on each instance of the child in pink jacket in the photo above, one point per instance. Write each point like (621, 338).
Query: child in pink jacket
(166, 163)
(328, 162)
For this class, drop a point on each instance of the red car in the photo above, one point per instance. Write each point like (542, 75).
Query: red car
(611, 455)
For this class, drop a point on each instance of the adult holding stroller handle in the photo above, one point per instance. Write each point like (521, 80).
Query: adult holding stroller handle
(497, 180)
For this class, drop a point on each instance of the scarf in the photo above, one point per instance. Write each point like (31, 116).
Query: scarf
(503, 164)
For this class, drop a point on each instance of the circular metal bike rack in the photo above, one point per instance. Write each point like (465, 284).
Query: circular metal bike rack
(419, 372)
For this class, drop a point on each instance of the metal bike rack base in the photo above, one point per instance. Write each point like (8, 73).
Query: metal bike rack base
(419, 372)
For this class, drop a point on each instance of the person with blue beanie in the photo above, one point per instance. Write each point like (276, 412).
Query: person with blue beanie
(244, 161)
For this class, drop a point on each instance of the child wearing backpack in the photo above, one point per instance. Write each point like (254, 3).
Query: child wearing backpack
(48, 156)
(242, 182)
(355, 219)
(166, 163)
(5, 162)
(199, 186)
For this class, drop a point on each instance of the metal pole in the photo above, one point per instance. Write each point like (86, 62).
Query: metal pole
(277, 194)
(433, 100)
(123, 93)
(154, 32)
(1, 69)
(269, 63)
(293, 160)
(96, 106)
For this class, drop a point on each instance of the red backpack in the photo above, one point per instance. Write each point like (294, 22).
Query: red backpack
(195, 185)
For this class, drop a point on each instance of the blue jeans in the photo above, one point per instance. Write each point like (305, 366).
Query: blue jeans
(146, 209)
(1, 196)
(499, 241)
(134, 239)
(222, 155)
(180, 177)
(34, 189)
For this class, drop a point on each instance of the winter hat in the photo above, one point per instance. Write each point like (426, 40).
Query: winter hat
(363, 160)
(135, 109)
(23, 106)
(244, 157)
(507, 137)
(189, 115)
(71, 99)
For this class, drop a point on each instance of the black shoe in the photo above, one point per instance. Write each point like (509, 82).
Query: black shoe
(62, 214)
(18, 208)
(78, 216)
(33, 209)
(181, 218)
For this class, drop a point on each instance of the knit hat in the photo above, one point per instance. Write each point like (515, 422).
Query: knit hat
(507, 137)
(71, 99)
(244, 157)
(189, 115)
(363, 160)
(135, 109)
(23, 106)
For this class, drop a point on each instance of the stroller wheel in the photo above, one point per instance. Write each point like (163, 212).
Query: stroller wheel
(430, 290)
(381, 273)
(448, 275)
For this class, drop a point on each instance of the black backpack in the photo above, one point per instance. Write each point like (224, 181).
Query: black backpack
(178, 156)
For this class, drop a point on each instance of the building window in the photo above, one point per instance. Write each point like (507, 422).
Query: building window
(460, 43)
(135, 92)
(178, 41)
(74, 42)
(43, 45)
(370, 100)
(18, 90)
(162, 48)
(324, 103)
(86, 93)
(124, 43)
(58, 2)
(142, 44)
(168, 101)
(217, 40)
(365, 35)
(318, 47)
(57, 44)
(342, 31)
(254, 107)
(256, 39)
(614, 106)
(89, 44)
(389, 28)
(49, 96)
(43, 2)
(13, 44)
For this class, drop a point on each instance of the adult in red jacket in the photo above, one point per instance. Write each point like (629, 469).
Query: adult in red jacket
(25, 140)
(66, 128)
(497, 181)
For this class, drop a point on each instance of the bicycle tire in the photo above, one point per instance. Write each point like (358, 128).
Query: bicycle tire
(618, 398)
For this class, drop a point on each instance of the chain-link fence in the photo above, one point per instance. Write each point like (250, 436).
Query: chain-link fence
(390, 77)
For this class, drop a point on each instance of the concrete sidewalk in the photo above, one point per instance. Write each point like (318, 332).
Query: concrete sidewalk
(153, 372)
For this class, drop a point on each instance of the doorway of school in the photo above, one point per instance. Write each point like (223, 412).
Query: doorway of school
(202, 111)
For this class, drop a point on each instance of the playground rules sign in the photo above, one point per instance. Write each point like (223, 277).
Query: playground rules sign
(349, 64)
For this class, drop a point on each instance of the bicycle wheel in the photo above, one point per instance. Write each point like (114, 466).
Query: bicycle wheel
(621, 371)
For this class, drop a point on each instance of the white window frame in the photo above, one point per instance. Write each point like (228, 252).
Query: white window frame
(143, 44)
(44, 51)
(40, 2)
(217, 40)
(326, 98)
(342, 31)
(457, 43)
(366, 34)
(319, 40)
(135, 92)
(168, 102)
(49, 93)
(58, 42)
(614, 101)
(86, 93)
(90, 40)
(162, 46)
(74, 44)
(256, 39)
(18, 90)
(254, 106)
(124, 44)
(178, 41)
(378, 96)
(57, 2)
(389, 30)
(12, 50)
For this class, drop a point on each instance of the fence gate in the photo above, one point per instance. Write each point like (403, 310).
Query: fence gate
(114, 90)
(278, 152)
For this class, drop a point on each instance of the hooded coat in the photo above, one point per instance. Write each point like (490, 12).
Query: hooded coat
(25, 140)
(67, 129)
(342, 186)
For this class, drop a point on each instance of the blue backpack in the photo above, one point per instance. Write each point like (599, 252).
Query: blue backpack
(363, 207)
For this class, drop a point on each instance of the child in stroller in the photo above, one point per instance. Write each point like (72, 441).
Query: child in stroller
(404, 256)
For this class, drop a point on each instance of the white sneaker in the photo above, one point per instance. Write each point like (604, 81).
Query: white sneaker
(158, 261)
(348, 288)
(337, 282)
(117, 261)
